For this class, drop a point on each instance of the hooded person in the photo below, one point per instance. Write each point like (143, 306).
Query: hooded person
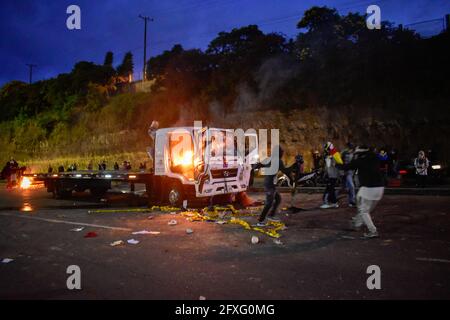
(273, 198)
(371, 188)
(332, 158)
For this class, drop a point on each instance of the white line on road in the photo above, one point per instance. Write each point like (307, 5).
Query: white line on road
(433, 260)
(65, 222)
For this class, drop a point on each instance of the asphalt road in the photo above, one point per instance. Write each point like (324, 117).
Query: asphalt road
(318, 257)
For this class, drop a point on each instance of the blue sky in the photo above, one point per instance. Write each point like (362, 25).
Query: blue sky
(35, 31)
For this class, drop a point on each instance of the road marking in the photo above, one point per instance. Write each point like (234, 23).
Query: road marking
(433, 260)
(65, 222)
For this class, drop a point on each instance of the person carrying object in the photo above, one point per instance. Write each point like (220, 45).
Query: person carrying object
(273, 198)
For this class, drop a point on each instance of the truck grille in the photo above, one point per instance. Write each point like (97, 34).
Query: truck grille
(224, 173)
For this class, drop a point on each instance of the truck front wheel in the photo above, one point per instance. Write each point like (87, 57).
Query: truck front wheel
(175, 194)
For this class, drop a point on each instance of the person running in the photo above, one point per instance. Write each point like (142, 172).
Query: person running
(273, 198)
(371, 188)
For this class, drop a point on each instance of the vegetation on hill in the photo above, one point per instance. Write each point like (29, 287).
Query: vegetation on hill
(334, 63)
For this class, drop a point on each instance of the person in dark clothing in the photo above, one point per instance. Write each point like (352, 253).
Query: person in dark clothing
(317, 159)
(384, 164)
(50, 169)
(116, 166)
(371, 189)
(273, 198)
(61, 169)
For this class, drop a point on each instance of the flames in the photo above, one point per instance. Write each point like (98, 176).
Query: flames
(25, 183)
(185, 159)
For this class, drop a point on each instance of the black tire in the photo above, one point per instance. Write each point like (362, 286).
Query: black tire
(174, 194)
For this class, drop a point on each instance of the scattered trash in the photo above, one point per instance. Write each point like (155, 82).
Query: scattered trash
(189, 231)
(348, 237)
(116, 243)
(133, 241)
(172, 222)
(154, 232)
(184, 204)
(150, 217)
(173, 212)
(221, 222)
(255, 240)
(7, 260)
(202, 298)
(91, 234)
(77, 229)
(278, 242)
(141, 232)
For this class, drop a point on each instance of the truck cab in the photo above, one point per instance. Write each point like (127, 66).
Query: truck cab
(194, 164)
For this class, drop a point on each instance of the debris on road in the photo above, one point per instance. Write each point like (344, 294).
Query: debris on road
(189, 231)
(7, 260)
(201, 298)
(277, 242)
(141, 232)
(116, 243)
(150, 217)
(91, 234)
(255, 240)
(133, 241)
(77, 229)
(172, 222)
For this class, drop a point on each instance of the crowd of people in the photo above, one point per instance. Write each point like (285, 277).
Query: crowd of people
(102, 166)
(361, 165)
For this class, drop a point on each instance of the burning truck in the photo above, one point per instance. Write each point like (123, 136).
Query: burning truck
(191, 166)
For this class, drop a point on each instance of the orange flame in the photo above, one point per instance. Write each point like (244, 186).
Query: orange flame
(186, 159)
(25, 183)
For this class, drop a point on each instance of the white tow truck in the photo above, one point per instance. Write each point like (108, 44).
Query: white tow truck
(189, 164)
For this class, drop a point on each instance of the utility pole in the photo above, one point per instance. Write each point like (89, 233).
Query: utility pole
(144, 73)
(31, 66)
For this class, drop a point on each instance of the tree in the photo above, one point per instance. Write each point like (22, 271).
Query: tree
(126, 68)
(109, 59)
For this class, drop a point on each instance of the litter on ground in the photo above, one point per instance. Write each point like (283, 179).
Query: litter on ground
(116, 243)
(7, 260)
(77, 229)
(91, 234)
(133, 241)
(255, 240)
(172, 222)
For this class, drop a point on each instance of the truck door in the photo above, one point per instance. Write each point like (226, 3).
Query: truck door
(201, 168)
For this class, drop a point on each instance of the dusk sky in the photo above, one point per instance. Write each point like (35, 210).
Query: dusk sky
(35, 31)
